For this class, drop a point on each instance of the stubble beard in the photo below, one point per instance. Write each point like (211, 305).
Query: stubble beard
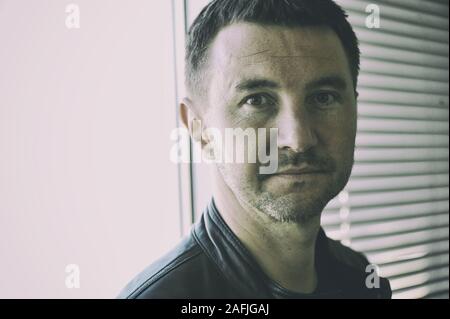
(286, 208)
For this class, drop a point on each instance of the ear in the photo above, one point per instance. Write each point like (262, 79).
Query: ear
(191, 120)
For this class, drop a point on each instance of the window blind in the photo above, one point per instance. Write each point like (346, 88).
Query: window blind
(395, 208)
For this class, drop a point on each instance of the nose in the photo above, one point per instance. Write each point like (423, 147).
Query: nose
(296, 132)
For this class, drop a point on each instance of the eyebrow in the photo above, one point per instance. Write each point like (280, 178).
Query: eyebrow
(334, 81)
(255, 84)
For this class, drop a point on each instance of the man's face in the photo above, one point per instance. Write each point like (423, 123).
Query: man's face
(299, 81)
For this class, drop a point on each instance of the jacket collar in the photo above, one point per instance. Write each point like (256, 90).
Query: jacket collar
(240, 268)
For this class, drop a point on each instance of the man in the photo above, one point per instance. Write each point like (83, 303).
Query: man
(286, 64)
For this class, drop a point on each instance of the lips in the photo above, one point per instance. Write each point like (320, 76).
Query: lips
(301, 171)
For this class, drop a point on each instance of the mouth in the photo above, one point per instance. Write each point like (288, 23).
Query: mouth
(301, 171)
(299, 177)
(299, 174)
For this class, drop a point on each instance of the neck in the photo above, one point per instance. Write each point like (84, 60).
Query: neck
(284, 251)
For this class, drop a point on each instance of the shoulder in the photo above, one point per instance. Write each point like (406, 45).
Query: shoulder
(185, 251)
(348, 256)
(185, 272)
(358, 264)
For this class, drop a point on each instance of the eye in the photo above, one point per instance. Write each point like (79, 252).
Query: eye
(324, 99)
(258, 100)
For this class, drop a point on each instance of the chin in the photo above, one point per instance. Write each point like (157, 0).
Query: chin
(290, 208)
(302, 215)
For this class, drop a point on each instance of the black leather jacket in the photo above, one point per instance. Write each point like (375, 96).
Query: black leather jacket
(212, 263)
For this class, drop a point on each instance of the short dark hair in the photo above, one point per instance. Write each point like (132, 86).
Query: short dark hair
(291, 13)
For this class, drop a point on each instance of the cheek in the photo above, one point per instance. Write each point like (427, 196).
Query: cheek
(241, 177)
(341, 126)
(341, 145)
(339, 139)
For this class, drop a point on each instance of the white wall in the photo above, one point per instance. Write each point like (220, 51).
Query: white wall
(85, 122)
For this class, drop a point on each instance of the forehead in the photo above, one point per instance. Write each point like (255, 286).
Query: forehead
(288, 55)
